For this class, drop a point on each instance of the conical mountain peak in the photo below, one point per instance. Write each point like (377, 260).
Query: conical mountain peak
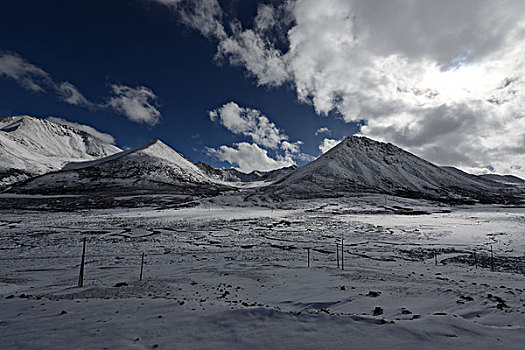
(359, 164)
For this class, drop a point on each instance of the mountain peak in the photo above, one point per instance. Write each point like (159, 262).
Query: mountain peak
(158, 148)
(359, 164)
(363, 147)
(357, 139)
(156, 142)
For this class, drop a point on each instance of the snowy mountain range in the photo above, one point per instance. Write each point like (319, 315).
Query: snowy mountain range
(153, 167)
(234, 175)
(33, 146)
(73, 162)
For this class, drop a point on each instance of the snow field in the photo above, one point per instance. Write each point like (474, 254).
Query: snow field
(227, 277)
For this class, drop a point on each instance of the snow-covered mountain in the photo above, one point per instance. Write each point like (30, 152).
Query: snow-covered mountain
(359, 164)
(31, 146)
(234, 175)
(151, 167)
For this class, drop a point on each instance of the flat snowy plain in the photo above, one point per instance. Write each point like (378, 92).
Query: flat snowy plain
(224, 277)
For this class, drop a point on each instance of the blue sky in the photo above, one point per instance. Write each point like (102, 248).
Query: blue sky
(94, 44)
(262, 84)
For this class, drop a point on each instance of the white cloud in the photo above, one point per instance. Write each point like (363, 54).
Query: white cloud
(36, 79)
(249, 157)
(139, 104)
(266, 18)
(264, 133)
(291, 148)
(443, 79)
(328, 144)
(106, 138)
(70, 94)
(323, 130)
(202, 15)
(26, 74)
(249, 122)
(249, 49)
(292, 152)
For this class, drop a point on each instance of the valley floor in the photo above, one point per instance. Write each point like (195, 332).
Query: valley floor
(223, 277)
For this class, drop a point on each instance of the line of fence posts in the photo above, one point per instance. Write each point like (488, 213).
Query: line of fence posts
(83, 260)
(342, 265)
(81, 274)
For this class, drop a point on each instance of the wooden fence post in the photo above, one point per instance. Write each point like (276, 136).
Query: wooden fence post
(308, 249)
(81, 274)
(337, 252)
(342, 255)
(141, 266)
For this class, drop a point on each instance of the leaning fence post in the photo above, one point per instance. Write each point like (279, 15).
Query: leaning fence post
(141, 266)
(81, 274)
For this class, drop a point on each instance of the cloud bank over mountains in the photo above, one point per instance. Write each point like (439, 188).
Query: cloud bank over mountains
(443, 79)
(139, 104)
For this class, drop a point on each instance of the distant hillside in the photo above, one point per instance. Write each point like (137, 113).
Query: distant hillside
(505, 179)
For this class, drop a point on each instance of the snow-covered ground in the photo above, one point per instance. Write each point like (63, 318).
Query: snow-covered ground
(224, 277)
